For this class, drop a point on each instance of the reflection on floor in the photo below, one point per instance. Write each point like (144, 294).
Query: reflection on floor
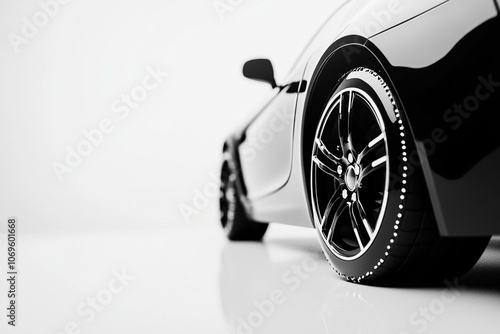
(192, 280)
(316, 301)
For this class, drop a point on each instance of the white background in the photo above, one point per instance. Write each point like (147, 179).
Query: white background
(90, 53)
(119, 209)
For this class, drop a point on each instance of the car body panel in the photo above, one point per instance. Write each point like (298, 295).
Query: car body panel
(458, 149)
(438, 30)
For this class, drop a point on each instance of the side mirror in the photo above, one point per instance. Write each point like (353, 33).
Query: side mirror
(261, 70)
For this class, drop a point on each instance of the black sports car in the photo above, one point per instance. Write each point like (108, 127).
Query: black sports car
(384, 138)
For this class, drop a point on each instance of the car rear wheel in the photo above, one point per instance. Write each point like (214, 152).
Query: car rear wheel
(371, 207)
(234, 218)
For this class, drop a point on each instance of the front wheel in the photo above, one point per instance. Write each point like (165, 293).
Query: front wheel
(371, 208)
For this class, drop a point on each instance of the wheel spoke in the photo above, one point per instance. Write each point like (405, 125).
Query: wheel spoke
(372, 146)
(337, 208)
(373, 166)
(333, 200)
(362, 219)
(344, 121)
(358, 239)
(358, 224)
(330, 167)
(332, 164)
(322, 147)
(334, 204)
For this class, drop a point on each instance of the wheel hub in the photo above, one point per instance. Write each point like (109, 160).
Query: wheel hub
(350, 178)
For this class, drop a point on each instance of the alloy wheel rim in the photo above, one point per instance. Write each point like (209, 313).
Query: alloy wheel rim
(349, 173)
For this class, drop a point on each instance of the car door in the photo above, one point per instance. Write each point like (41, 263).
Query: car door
(265, 152)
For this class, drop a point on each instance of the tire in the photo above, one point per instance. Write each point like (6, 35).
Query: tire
(234, 218)
(370, 205)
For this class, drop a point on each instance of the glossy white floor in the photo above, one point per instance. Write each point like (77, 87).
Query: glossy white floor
(194, 281)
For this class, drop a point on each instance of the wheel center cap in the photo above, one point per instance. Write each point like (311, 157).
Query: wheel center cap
(350, 178)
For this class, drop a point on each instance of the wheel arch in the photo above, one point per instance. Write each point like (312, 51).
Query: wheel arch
(344, 55)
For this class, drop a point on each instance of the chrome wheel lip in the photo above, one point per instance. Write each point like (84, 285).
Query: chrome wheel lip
(350, 162)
